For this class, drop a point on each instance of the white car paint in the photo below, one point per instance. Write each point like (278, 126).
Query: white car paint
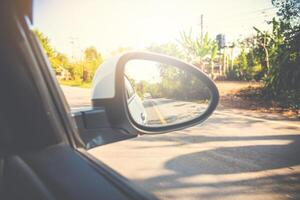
(135, 104)
(103, 86)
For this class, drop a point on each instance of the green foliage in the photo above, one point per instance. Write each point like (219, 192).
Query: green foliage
(75, 72)
(284, 72)
(76, 83)
(44, 42)
(50, 52)
(169, 49)
(247, 65)
(289, 10)
(175, 84)
(271, 56)
(92, 60)
(197, 48)
(274, 56)
(201, 51)
(120, 50)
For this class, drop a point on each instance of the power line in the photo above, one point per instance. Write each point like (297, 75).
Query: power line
(238, 22)
(259, 10)
(251, 13)
(264, 9)
(251, 18)
(260, 22)
(259, 17)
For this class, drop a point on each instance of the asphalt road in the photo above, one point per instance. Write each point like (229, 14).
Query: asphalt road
(162, 111)
(233, 155)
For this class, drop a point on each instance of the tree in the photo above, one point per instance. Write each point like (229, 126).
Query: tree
(50, 52)
(92, 60)
(199, 49)
(169, 49)
(120, 50)
(45, 41)
(289, 11)
(79, 70)
(283, 75)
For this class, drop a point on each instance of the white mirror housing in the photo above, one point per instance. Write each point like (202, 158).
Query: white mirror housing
(103, 85)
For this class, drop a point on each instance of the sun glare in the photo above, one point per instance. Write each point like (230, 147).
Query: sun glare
(109, 25)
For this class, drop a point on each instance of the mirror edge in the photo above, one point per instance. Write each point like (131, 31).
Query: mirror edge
(120, 89)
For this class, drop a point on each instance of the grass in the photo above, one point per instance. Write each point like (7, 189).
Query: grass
(76, 83)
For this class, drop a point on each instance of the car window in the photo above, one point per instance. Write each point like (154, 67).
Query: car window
(249, 147)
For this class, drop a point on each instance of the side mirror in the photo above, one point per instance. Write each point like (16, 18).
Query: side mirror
(152, 93)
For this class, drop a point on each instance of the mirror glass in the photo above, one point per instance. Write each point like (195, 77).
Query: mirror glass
(160, 94)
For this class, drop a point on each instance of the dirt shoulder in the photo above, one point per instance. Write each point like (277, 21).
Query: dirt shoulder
(230, 101)
(231, 98)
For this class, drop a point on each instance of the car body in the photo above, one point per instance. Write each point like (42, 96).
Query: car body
(135, 104)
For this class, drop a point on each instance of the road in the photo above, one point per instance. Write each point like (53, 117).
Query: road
(162, 111)
(233, 155)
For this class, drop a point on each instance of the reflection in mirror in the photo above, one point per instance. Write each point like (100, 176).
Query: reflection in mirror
(160, 94)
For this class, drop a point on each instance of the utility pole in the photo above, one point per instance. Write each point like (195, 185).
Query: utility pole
(201, 26)
(73, 46)
(201, 41)
(231, 55)
(222, 45)
(223, 71)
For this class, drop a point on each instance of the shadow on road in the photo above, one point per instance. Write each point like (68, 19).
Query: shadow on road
(236, 147)
(233, 161)
(219, 124)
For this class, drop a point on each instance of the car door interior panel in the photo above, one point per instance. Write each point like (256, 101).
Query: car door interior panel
(42, 175)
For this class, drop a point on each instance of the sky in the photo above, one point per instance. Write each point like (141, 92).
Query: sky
(73, 25)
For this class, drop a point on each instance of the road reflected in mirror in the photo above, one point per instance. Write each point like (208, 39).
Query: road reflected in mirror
(159, 94)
